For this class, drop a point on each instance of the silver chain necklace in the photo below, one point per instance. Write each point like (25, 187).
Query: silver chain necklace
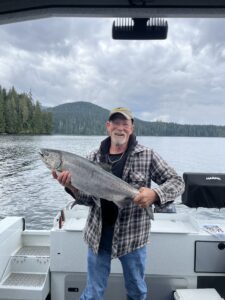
(115, 161)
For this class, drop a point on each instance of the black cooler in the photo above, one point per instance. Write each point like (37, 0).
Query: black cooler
(204, 190)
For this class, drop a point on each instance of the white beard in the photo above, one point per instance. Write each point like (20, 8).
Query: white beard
(118, 141)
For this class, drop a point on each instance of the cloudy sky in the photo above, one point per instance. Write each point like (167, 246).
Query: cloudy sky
(64, 60)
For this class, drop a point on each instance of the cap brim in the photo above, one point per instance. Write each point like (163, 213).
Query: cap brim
(121, 113)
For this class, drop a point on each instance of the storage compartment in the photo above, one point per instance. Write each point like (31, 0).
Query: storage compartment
(209, 257)
(74, 286)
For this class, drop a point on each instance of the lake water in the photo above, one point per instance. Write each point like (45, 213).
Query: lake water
(28, 189)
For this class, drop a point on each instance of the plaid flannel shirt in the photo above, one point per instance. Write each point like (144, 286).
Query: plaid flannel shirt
(133, 224)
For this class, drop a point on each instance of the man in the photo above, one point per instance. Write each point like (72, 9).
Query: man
(112, 232)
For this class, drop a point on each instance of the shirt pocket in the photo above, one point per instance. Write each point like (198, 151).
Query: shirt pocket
(137, 179)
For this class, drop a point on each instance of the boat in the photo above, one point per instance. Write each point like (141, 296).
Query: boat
(185, 259)
(186, 252)
(51, 264)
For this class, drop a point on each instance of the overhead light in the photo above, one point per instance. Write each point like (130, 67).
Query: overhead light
(139, 29)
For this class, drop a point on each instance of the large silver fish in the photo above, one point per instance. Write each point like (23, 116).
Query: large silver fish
(90, 178)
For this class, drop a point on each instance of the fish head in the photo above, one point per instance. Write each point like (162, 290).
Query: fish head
(52, 158)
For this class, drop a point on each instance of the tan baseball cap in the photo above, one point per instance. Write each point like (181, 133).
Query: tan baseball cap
(123, 111)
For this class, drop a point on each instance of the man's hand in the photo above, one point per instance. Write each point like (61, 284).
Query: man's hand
(146, 197)
(64, 178)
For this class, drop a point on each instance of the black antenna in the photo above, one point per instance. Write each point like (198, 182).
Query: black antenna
(139, 29)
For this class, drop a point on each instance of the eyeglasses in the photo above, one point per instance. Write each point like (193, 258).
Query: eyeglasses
(118, 123)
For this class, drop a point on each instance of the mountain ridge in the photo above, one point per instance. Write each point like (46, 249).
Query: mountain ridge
(85, 118)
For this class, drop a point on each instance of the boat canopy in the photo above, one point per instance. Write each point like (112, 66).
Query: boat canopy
(20, 10)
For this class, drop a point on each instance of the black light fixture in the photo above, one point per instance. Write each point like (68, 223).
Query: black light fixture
(139, 29)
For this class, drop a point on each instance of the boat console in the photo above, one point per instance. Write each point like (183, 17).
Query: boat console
(182, 254)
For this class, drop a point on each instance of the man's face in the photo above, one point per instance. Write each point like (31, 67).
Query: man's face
(119, 129)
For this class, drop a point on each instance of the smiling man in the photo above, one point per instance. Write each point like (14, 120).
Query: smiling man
(112, 232)
(120, 127)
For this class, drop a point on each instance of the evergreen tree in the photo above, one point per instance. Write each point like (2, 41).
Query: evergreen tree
(24, 113)
(10, 114)
(47, 122)
(37, 119)
(2, 114)
(18, 114)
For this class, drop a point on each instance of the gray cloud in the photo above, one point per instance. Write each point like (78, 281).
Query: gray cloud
(64, 60)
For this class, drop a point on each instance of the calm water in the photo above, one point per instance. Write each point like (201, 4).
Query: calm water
(27, 188)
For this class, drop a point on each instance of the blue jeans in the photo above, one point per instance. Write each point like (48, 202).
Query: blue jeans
(133, 265)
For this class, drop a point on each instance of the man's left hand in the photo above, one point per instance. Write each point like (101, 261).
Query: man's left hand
(145, 197)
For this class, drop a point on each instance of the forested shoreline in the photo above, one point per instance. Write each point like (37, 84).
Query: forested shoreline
(19, 114)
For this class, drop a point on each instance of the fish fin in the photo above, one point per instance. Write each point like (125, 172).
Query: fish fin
(149, 212)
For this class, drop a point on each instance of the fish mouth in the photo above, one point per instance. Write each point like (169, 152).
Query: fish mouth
(43, 153)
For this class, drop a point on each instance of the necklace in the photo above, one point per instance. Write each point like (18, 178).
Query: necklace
(115, 161)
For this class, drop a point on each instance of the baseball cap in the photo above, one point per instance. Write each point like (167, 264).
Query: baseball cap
(123, 111)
